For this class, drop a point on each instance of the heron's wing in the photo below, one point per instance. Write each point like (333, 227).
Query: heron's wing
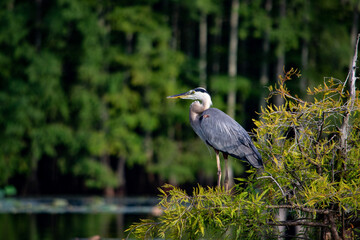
(226, 135)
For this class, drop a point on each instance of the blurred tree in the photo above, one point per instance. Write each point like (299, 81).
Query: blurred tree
(34, 109)
(83, 83)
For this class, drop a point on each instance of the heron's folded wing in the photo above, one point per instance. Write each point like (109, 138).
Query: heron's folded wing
(225, 134)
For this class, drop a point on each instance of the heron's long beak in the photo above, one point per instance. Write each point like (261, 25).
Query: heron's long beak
(181, 95)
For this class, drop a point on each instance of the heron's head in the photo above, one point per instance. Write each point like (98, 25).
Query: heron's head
(194, 94)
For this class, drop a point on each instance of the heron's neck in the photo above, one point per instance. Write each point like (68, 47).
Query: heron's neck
(196, 108)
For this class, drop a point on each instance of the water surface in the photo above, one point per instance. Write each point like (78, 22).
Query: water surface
(70, 218)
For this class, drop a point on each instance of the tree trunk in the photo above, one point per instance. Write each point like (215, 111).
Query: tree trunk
(120, 173)
(32, 182)
(232, 68)
(282, 215)
(280, 54)
(175, 26)
(305, 51)
(280, 72)
(233, 49)
(264, 73)
(108, 191)
(105, 159)
(149, 153)
(215, 67)
(304, 65)
(354, 29)
(203, 49)
(38, 36)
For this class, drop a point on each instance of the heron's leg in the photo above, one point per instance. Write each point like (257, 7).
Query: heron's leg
(218, 167)
(226, 180)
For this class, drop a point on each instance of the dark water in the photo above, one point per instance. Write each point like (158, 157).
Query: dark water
(64, 226)
(39, 221)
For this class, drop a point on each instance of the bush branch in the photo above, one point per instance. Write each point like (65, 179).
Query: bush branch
(301, 222)
(301, 208)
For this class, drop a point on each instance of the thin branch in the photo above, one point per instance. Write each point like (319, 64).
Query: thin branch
(301, 222)
(321, 127)
(292, 237)
(271, 177)
(304, 209)
(141, 225)
(293, 174)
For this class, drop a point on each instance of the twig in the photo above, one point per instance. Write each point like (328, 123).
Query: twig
(304, 209)
(321, 127)
(141, 225)
(282, 191)
(301, 222)
(292, 237)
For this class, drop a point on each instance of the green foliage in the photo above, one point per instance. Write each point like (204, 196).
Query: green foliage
(308, 170)
(8, 190)
(210, 213)
(301, 143)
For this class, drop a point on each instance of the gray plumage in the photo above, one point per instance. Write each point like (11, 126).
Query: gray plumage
(224, 134)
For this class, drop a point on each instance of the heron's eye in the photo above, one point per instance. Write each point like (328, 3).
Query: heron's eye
(192, 92)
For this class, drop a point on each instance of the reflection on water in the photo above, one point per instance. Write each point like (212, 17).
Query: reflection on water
(51, 219)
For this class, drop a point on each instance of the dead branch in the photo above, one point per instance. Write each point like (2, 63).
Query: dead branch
(345, 127)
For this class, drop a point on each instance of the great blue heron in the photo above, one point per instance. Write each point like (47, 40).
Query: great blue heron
(220, 131)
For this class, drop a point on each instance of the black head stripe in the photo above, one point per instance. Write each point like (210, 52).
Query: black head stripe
(199, 89)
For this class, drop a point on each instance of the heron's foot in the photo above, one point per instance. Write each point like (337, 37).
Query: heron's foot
(219, 179)
(226, 184)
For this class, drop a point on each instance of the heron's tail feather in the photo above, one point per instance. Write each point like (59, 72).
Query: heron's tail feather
(255, 160)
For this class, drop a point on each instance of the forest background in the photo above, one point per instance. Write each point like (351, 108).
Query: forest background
(83, 84)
